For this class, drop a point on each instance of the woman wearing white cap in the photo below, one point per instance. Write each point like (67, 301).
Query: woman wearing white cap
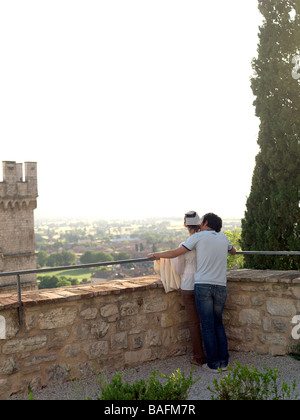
(186, 266)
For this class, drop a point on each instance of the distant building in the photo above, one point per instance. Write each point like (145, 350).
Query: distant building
(17, 204)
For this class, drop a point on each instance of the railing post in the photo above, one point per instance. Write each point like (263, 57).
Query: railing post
(20, 300)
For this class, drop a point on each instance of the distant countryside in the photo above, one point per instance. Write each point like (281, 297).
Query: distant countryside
(70, 242)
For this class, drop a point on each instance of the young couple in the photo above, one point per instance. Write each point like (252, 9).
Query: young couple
(202, 261)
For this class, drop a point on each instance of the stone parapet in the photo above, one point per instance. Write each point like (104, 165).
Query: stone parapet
(125, 323)
(260, 309)
(114, 325)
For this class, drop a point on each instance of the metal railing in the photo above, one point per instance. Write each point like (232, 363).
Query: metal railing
(18, 274)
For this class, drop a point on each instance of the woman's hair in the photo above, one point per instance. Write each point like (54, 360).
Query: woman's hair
(193, 228)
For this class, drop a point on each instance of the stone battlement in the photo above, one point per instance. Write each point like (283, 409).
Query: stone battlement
(13, 185)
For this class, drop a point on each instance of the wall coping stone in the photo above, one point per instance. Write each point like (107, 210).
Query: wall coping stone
(269, 276)
(86, 291)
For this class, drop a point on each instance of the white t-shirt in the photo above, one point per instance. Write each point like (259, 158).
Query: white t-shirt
(211, 254)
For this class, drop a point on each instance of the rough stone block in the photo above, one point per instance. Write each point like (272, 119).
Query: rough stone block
(9, 366)
(99, 329)
(279, 308)
(57, 318)
(153, 338)
(89, 313)
(154, 304)
(96, 350)
(25, 345)
(250, 317)
(241, 300)
(129, 308)
(109, 310)
(257, 300)
(275, 338)
(119, 341)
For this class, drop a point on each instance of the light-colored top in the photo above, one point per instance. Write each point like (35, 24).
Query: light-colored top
(211, 255)
(185, 265)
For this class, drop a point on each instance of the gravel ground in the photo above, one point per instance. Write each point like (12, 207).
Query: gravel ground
(288, 367)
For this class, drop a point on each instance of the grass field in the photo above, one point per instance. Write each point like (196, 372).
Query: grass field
(79, 274)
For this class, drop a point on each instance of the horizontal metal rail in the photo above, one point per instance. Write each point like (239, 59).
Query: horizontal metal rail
(135, 260)
(73, 267)
(19, 273)
(292, 253)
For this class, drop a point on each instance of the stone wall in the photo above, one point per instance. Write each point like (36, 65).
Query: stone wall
(114, 325)
(125, 323)
(260, 309)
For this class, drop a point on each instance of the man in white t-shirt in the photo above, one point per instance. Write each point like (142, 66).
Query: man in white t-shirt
(212, 248)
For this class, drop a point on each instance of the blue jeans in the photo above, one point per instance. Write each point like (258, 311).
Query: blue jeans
(210, 301)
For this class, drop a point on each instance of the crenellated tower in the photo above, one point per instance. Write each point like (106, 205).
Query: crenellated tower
(18, 200)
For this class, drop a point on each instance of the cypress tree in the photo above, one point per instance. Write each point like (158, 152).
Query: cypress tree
(272, 216)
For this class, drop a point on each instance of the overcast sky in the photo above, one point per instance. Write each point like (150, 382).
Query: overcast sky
(131, 108)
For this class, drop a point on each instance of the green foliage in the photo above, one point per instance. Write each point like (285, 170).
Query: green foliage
(271, 221)
(56, 259)
(123, 255)
(235, 261)
(47, 282)
(175, 387)
(90, 257)
(63, 282)
(30, 394)
(41, 258)
(239, 383)
(243, 384)
(51, 282)
(64, 258)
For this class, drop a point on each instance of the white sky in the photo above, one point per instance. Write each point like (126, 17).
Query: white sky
(132, 108)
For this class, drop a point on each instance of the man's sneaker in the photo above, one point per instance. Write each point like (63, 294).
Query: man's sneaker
(208, 369)
(224, 368)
